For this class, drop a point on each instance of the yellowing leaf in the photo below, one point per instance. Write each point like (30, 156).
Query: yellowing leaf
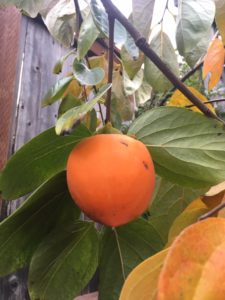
(74, 88)
(213, 201)
(179, 100)
(220, 17)
(194, 268)
(213, 63)
(189, 216)
(141, 283)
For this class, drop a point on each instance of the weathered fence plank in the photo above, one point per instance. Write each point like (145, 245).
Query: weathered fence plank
(37, 56)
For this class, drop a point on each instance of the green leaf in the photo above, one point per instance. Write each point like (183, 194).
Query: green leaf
(31, 7)
(21, 233)
(168, 202)
(142, 15)
(57, 91)
(38, 160)
(187, 147)
(132, 64)
(131, 86)
(122, 107)
(161, 44)
(59, 64)
(67, 103)
(131, 47)
(143, 93)
(74, 115)
(87, 35)
(60, 20)
(87, 76)
(100, 18)
(220, 18)
(193, 33)
(64, 262)
(122, 250)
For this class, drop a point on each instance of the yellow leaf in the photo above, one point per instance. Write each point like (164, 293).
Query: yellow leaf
(194, 268)
(189, 216)
(213, 63)
(178, 99)
(142, 281)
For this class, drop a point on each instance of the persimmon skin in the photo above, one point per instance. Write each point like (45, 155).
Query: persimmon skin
(111, 178)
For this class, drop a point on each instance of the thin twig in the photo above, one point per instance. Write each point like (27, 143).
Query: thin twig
(110, 66)
(210, 101)
(142, 44)
(212, 212)
(120, 253)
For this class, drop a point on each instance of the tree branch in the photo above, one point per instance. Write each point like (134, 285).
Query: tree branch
(144, 47)
(185, 77)
(210, 101)
(212, 212)
(110, 65)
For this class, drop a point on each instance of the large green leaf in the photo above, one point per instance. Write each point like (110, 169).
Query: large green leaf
(121, 251)
(57, 91)
(100, 18)
(21, 233)
(41, 158)
(74, 115)
(220, 18)
(168, 202)
(142, 15)
(87, 76)
(193, 33)
(162, 45)
(187, 147)
(64, 262)
(60, 20)
(87, 35)
(31, 7)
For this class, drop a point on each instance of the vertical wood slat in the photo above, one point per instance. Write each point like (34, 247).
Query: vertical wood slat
(10, 19)
(37, 56)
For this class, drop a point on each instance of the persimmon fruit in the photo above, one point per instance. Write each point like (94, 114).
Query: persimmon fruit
(111, 178)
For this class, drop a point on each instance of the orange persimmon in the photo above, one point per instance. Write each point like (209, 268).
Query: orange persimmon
(111, 178)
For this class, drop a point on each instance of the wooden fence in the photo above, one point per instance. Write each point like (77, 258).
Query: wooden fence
(28, 54)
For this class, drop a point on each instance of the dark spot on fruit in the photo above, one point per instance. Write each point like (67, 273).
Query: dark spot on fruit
(219, 133)
(145, 165)
(124, 143)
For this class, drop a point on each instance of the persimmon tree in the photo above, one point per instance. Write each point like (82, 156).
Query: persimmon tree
(134, 88)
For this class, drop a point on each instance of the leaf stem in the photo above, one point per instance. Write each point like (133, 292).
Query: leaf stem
(212, 212)
(110, 65)
(120, 253)
(142, 44)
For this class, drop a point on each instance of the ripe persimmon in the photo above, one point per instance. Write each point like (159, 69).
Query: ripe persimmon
(111, 178)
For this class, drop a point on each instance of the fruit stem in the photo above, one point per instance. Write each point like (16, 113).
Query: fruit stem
(110, 66)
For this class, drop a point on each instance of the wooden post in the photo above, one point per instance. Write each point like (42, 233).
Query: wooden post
(10, 20)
